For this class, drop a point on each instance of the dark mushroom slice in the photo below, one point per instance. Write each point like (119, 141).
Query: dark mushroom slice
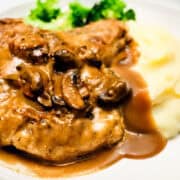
(113, 88)
(70, 91)
(35, 84)
(13, 79)
(106, 87)
(114, 93)
(94, 62)
(64, 60)
(57, 97)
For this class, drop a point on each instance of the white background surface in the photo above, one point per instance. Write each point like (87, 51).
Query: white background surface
(5, 4)
(166, 165)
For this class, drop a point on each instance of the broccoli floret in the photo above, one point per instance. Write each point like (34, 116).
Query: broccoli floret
(78, 13)
(110, 9)
(129, 15)
(46, 15)
(45, 11)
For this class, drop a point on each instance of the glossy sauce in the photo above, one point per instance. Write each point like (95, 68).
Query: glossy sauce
(141, 138)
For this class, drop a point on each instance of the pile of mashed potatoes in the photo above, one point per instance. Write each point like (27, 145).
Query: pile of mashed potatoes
(159, 64)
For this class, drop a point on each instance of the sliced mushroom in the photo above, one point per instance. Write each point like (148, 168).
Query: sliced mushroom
(70, 91)
(91, 76)
(114, 94)
(105, 86)
(113, 88)
(45, 100)
(64, 60)
(95, 63)
(57, 97)
(58, 100)
(35, 83)
(13, 79)
(84, 92)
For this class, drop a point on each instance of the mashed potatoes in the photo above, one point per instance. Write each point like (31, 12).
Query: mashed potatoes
(159, 64)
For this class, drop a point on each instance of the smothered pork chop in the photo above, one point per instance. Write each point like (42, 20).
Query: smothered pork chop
(59, 98)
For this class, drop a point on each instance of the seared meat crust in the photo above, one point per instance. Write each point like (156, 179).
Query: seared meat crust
(97, 43)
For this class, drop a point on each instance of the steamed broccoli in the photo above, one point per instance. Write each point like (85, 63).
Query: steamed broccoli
(78, 13)
(45, 11)
(110, 9)
(46, 15)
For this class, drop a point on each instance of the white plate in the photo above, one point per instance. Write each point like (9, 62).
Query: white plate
(164, 166)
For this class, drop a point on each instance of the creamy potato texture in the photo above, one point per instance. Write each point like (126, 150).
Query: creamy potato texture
(159, 64)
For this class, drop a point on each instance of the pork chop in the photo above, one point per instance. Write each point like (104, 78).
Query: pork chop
(58, 98)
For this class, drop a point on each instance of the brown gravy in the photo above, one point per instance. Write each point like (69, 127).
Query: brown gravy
(141, 140)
